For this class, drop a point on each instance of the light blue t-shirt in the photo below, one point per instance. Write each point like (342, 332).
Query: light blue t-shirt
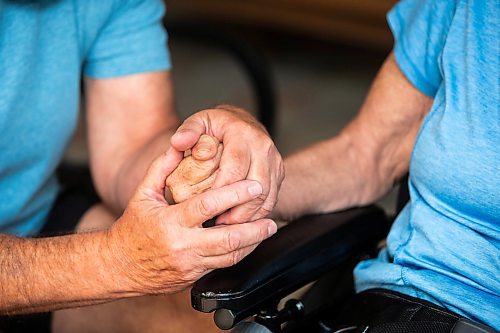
(45, 46)
(445, 244)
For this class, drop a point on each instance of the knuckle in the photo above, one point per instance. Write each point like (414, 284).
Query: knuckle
(264, 233)
(235, 257)
(246, 210)
(265, 211)
(176, 249)
(261, 137)
(268, 206)
(248, 127)
(238, 196)
(232, 241)
(187, 268)
(274, 154)
(261, 199)
(207, 207)
(281, 171)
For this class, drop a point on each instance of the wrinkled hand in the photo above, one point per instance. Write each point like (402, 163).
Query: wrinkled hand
(249, 153)
(196, 173)
(158, 248)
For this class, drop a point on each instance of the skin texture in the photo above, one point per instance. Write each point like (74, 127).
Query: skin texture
(197, 172)
(365, 160)
(130, 121)
(162, 313)
(165, 257)
(354, 168)
(249, 153)
(152, 247)
(149, 250)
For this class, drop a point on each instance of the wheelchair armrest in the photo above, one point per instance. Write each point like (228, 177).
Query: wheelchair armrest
(298, 254)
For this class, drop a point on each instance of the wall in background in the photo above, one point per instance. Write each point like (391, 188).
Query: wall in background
(350, 21)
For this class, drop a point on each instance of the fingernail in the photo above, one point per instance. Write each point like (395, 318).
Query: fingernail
(203, 146)
(203, 150)
(255, 189)
(272, 228)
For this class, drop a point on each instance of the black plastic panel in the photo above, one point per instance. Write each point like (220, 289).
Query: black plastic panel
(298, 254)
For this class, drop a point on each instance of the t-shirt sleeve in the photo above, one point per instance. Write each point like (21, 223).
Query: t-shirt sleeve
(420, 28)
(131, 41)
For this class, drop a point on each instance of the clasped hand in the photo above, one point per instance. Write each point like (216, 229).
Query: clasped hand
(249, 153)
(162, 248)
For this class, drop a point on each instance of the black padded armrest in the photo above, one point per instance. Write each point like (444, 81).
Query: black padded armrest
(298, 254)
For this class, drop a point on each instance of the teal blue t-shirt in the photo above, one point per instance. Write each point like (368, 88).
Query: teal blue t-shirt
(445, 244)
(45, 48)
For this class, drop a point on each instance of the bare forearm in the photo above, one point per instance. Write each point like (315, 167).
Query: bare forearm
(325, 177)
(364, 161)
(134, 167)
(130, 121)
(52, 273)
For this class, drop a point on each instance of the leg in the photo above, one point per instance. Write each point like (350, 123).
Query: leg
(170, 313)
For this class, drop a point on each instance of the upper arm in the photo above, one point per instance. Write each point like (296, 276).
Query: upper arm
(402, 94)
(385, 130)
(122, 38)
(123, 115)
(128, 93)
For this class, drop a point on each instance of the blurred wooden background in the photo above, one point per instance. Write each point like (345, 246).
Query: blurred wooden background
(356, 22)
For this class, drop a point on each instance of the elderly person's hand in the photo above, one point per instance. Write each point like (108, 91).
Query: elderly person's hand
(248, 153)
(197, 171)
(163, 248)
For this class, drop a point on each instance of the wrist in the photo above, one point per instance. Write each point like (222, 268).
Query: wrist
(116, 266)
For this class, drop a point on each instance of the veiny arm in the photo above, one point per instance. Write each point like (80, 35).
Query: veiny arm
(363, 162)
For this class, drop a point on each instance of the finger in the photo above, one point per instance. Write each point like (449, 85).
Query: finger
(240, 214)
(234, 164)
(206, 148)
(229, 259)
(225, 239)
(256, 209)
(251, 211)
(270, 202)
(188, 133)
(160, 168)
(183, 192)
(205, 206)
(270, 177)
(191, 171)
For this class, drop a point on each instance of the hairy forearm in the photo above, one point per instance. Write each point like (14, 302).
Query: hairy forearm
(46, 274)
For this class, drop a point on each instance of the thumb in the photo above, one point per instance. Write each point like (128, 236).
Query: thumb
(206, 148)
(188, 133)
(160, 168)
